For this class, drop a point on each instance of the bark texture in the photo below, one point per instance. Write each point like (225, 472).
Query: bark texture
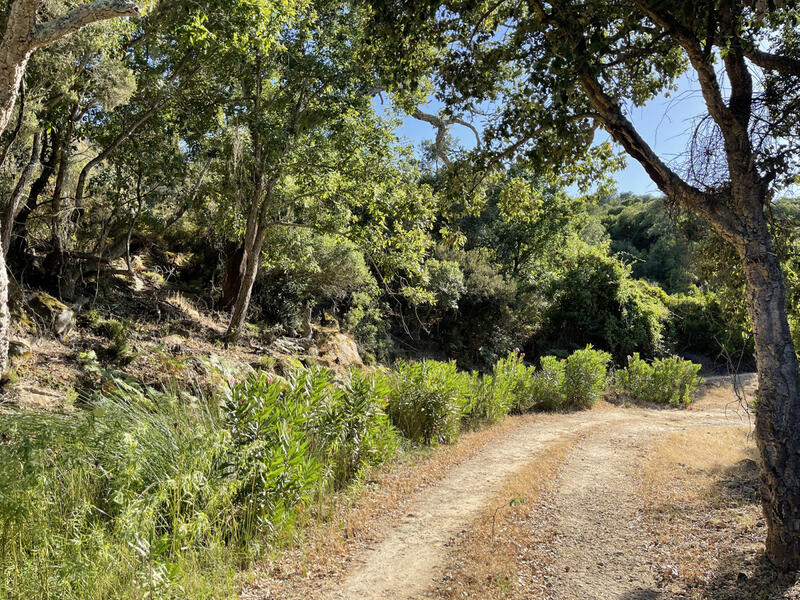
(778, 408)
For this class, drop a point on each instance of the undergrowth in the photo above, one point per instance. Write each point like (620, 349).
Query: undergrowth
(151, 494)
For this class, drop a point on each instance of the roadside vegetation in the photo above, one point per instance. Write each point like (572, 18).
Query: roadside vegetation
(147, 493)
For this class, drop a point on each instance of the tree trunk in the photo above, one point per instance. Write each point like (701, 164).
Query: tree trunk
(18, 247)
(778, 400)
(13, 206)
(58, 228)
(234, 269)
(15, 50)
(252, 257)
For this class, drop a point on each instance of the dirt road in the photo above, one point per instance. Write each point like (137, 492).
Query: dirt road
(595, 514)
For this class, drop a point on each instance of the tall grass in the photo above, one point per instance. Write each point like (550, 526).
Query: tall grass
(125, 500)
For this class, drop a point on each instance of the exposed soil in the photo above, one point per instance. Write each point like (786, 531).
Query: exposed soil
(590, 535)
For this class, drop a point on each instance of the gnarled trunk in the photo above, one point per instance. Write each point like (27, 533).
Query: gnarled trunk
(778, 406)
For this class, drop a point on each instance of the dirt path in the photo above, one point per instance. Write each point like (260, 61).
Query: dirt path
(595, 521)
(600, 551)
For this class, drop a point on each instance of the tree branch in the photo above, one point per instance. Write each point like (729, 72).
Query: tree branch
(79, 17)
(785, 65)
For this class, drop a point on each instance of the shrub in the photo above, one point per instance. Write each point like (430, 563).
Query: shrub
(546, 390)
(272, 461)
(147, 494)
(512, 382)
(584, 377)
(665, 381)
(118, 333)
(427, 400)
(595, 300)
(489, 400)
(351, 430)
(700, 322)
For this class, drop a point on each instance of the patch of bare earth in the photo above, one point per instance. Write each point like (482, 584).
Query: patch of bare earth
(700, 493)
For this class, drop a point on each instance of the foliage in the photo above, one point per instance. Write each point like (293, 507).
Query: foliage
(594, 300)
(125, 500)
(668, 380)
(427, 399)
(351, 428)
(514, 378)
(700, 323)
(146, 495)
(584, 377)
(546, 391)
(658, 242)
(274, 466)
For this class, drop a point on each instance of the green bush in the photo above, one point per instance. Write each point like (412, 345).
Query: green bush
(664, 381)
(546, 391)
(272, 461)
(489, 400)
(427, 400)
(584, 377)
(512, 381)
(148, 495)
(595, 300)
(351, 429)
(699, 322)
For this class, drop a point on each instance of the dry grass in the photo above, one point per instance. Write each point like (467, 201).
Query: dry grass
(700, 490)
(346, 524)
(497, 556)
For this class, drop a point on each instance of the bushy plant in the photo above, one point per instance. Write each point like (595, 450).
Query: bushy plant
(512, 380)
(427, 400)
(351, 429)
(273, 463)
(584, 377)
(595, 300)
(664, 381)
(700, 322)
(546, 389)
(118, 333)
(147, 494)
(488, 400)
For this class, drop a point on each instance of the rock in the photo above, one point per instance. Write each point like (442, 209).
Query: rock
(18, 348)
(340, 349)
(22, 319)
(55, 314)
(174, 343)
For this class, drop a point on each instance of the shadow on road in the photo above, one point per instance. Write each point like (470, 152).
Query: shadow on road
(760, 580)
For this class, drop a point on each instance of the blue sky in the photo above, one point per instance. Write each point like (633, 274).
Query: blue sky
(666, 123)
